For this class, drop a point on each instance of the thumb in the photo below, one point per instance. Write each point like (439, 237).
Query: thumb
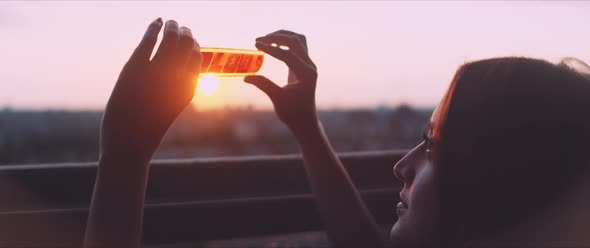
(261, 82)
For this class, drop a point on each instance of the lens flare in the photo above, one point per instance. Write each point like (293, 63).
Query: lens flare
(207, 84)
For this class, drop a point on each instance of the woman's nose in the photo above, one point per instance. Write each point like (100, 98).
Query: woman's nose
(403, 169)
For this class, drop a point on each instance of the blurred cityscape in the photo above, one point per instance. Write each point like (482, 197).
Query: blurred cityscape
(34, 137)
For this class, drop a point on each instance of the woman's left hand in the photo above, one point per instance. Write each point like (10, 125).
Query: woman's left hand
(294, 103)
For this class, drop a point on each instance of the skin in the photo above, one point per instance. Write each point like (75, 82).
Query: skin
(147, 97)
(417, 224)
(344, 214)
(150, 94)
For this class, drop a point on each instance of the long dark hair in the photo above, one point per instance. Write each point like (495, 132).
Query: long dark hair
(514, 137)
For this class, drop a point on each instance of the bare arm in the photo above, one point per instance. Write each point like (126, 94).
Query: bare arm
(348, 221)
(147, 97)
(344, 214)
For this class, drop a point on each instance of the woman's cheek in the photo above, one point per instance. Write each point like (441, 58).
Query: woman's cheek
(424, 201)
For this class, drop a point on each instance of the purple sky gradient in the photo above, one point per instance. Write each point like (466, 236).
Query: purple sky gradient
(68, 54)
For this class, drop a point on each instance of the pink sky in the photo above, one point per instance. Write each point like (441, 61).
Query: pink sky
(68, 54)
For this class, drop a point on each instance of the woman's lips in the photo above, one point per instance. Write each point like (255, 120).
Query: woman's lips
(401, 208)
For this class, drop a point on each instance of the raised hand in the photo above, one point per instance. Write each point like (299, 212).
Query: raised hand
(345, 216)
(295, 102)
(150, 94)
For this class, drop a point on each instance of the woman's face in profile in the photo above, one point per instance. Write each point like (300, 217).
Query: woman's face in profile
(417, 223)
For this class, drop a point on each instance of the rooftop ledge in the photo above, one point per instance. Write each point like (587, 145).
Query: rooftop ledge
(188, 201)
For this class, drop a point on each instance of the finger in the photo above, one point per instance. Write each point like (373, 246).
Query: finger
(185, 45)
(299, 36)
(264, 84)
(169, 42)
(295, 63)
(296, 45)
(283, 32)
(144, 50)
(292, 42)
(193, 67)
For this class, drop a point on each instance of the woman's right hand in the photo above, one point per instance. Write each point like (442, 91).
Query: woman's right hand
(294, 103)
(150, 94)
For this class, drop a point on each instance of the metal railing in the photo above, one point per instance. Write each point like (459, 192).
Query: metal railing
(188, 200)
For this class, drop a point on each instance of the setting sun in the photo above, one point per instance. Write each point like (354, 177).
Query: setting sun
(207, 84)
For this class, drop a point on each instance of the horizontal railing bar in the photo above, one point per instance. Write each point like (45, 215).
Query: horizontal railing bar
(193, 221)
(70, 185)
(205, 202)
(210, 160)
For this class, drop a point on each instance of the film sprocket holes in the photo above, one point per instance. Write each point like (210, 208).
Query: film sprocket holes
(230, 62)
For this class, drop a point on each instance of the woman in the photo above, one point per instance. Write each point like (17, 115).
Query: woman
(505, 151)
(505, 155)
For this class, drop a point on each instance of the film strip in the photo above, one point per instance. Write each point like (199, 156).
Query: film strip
(229, 62)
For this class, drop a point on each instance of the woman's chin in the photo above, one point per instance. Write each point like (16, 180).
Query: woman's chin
(396, 234)
(403, 235)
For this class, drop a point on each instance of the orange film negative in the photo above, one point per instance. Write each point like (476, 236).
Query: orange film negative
(230, 62)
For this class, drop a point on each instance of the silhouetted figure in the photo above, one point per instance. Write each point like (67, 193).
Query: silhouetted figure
(503, 163)
(505, 154)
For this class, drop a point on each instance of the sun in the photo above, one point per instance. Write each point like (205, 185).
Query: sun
(207, 84)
